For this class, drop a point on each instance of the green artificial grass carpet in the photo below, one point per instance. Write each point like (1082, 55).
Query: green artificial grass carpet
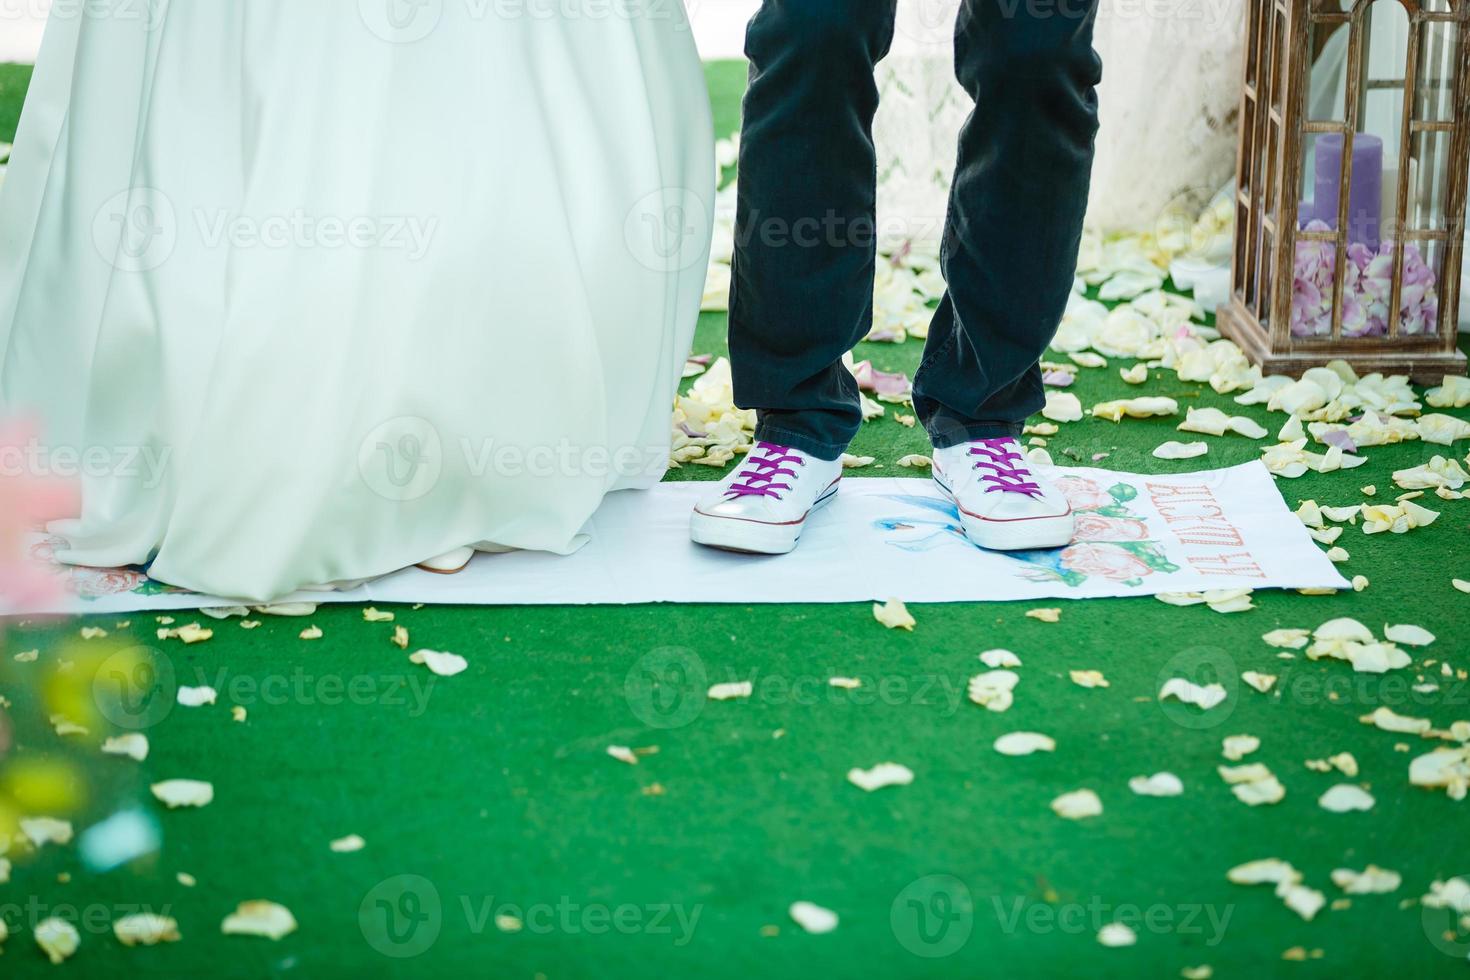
(488, 799)
(13, 82)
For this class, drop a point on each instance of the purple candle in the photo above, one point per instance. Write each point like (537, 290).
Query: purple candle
(1365, 185)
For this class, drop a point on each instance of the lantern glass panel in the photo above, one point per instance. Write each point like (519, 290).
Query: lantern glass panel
(1278, 57)
(1327, 81)
(1313, 288)
(1428, 181)
(1266, 286)
(1419, 293)
(1434, 97)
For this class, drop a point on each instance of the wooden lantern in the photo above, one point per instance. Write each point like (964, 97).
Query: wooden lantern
(1354, 138)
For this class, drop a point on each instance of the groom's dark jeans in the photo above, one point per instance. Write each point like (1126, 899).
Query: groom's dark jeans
(805, 234)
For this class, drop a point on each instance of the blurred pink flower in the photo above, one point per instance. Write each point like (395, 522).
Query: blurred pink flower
(27, 499)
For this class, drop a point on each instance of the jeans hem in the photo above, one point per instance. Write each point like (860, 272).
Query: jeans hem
(827, 451)
(949, 432)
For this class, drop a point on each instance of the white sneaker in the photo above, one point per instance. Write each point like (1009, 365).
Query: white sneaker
(762, 507)
(1003, 505)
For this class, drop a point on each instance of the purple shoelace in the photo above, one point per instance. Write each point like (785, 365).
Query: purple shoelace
(1009, 475)
(756, 478)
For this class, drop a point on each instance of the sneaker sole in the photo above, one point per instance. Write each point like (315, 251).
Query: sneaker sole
(1023, 534)
(753, 537)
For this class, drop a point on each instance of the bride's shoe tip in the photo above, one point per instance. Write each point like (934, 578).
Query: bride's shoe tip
(449, 563)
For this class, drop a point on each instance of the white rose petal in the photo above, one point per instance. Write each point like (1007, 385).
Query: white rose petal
(1000, 658)
(1077, 805)
(894, 614)
(1062, 406)
(1180, 450)
(1089, 678)
(813, 918)
(145, 929)
(1205, 697)
(1444, 768)
(1159, 784)
(994, 689)
(1390, 721)
(1289, 639)
(1024, 743)
(1137, 408)
(1345, 798)
(133, 745)
(1372, 880)
(442, 664)
(194, 697)
(1261, 682)
(267, 920)
(1408, 634)
(57, 938)
(882, 775)
(46, 830)
(1116, 934)
(1237, 747)
(175, 793)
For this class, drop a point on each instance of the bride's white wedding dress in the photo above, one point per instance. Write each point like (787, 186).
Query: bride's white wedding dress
(313, 293)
